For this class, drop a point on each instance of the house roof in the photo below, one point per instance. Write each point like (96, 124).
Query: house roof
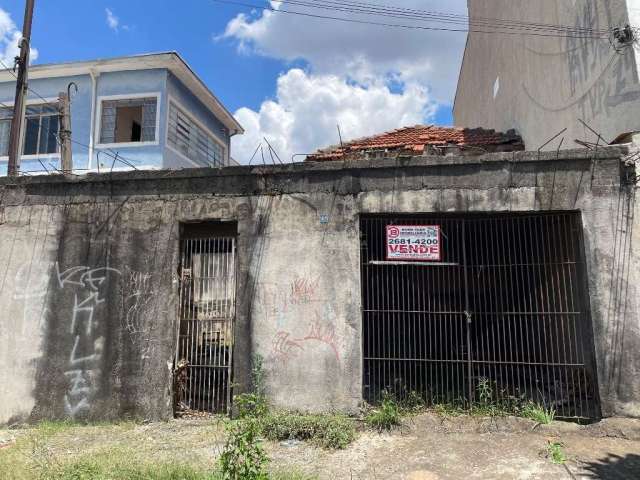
(414, 140)
(171, 61)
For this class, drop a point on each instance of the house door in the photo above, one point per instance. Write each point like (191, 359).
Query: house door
(203, 365)
(502, 314)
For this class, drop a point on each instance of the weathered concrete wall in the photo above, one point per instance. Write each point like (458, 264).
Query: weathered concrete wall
(89, 269)
(541, 84)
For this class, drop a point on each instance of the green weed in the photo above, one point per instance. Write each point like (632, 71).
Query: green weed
(326, 431)
(538, 413)
(254, 403)
(386, 417)
(243, 457)
(555, 451)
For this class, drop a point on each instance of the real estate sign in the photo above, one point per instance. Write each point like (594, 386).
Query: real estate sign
(413, 242)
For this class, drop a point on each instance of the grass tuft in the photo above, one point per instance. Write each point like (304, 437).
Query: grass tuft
(98, 469)
(538, 413)
(555, 451)
(326, 431)
(386, 417)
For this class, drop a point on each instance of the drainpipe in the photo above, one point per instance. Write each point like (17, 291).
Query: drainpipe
(94, 91)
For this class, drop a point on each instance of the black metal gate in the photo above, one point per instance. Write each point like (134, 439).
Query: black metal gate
(504, 309)
(207, 311)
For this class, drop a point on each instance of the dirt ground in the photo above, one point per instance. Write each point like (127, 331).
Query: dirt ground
(427, 447)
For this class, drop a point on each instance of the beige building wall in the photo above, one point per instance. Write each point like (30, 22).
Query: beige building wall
(540, 84)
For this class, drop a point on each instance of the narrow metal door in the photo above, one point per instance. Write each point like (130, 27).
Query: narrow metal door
(206, 319)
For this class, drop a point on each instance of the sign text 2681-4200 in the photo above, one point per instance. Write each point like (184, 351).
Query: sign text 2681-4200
(413, 242)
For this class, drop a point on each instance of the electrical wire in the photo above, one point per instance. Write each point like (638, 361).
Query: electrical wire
(10, 70)
(500, 30)
(109, 152)
(414, 14)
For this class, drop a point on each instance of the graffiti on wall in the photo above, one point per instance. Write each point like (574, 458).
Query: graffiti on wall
(139, 296)
(304, 321)
(285, 347)
(88, 286)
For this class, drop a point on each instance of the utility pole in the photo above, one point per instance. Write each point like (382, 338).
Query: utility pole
(65, 132)
(22, 62)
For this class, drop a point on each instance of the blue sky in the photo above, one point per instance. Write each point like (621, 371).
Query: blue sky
(254, 61)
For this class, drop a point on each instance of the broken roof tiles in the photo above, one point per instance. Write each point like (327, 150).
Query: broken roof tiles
(416, 140)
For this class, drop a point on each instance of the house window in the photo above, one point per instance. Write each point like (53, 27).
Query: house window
(40, 129)
(193, 142)
(128, 121)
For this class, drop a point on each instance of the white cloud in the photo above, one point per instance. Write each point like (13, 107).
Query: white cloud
(367, 78)
(113, 22)
(361, 52)
(10, 40)
(307, 109)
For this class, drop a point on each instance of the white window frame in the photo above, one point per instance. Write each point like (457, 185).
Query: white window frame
(128, 96)
(187, 113)
(46, 156)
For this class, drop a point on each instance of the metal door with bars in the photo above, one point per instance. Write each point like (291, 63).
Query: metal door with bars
(504, 311)
(206, 320)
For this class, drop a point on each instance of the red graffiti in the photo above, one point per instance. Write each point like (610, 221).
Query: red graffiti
(303, 290)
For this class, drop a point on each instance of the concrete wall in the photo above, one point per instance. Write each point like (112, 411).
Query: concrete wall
(540, 85)
(89, 272)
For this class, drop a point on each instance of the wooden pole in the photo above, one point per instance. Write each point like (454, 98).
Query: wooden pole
(65, 133)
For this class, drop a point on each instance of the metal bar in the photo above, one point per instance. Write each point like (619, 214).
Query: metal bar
(488, 361)
(467, 312)
(413, 264)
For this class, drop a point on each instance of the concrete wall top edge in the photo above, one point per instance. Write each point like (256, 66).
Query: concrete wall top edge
(604, 153)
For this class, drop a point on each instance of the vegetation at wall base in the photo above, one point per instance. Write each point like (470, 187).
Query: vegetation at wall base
(386, 417)
(330, 431)
(538, 413)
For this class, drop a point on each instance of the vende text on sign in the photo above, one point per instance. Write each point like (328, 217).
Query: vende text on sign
(413, 242)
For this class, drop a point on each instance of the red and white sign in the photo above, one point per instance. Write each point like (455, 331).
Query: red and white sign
(413, 242)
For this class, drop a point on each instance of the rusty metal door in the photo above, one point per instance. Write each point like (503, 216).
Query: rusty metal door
(505, 310)
(203, 366)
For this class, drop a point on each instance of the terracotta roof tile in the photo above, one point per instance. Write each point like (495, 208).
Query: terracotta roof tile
(415, 139)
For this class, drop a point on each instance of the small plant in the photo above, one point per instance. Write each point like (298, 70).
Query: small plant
(253, 404)
(555, 451)
(243, 457)
(412, 403)
(485, 391)
(326, 431)
(386, 417)
(538, 413)
(450, 409)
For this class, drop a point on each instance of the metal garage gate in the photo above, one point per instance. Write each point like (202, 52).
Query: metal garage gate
(207, 313)
(505, 305)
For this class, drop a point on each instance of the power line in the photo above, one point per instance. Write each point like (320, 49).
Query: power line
(405, 26)
(413, 14)
(109, 152)
(28, 88)
(426, 14)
